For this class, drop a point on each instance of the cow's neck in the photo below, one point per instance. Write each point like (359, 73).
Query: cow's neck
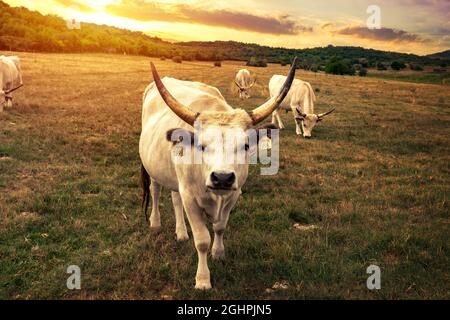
(214, 204)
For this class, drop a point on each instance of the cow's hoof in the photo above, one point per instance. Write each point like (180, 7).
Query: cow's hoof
(182, 236)
(218, 254)
(203, 285)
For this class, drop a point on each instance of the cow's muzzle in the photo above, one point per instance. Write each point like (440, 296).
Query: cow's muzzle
(222, 180)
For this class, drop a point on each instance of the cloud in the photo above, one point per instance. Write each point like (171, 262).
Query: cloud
(383, 34)
(326, 26)
(151, 11)
(436, 5)
(76, 5)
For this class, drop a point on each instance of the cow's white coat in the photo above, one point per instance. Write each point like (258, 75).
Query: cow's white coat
(244, 81)
(300, 100)
(10, 78)
(190, 183)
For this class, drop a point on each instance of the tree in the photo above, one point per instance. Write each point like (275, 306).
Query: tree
(415, 67)
(177, 59)
(340, 67)
(397, 65)
(381, 66)
(257, 62)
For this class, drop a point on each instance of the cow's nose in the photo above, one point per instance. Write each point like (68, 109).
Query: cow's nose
(223, 179)
(307, 137)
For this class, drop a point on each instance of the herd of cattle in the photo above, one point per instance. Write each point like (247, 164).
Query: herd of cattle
(206, 190)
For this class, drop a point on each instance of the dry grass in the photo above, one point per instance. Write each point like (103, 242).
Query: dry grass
(374, 182)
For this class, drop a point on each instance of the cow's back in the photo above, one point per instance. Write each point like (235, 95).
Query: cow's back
(243, 77)
(300, 94)
(10, 75)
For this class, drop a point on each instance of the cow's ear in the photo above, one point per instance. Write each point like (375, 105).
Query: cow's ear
(180, 135)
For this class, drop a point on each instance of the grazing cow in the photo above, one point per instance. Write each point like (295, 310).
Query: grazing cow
(300, 100)
(172, 112)
(244, 82)
(10, 79)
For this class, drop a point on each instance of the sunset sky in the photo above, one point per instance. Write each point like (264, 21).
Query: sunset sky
(415, 26)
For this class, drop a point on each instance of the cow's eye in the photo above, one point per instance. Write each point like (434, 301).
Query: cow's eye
(201, 147)
(246, 147)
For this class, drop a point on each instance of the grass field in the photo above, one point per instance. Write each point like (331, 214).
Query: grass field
(426, 76)
(374, 182)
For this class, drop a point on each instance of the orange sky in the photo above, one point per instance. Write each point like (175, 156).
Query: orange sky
(416, 26)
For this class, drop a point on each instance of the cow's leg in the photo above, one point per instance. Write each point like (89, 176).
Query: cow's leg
(277, 116)
(180, 229)
(9, 103)
(273, 118)
(298, 122)
(218, 249)
(155, 219)
(202, 240)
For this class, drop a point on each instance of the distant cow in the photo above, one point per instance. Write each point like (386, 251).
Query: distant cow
(244, 82)
(300, 100)
(10, 79)
(195, 116)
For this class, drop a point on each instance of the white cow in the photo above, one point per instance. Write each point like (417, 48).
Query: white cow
(244, 82)
(300, 100)
(10, 79)
(207, 190)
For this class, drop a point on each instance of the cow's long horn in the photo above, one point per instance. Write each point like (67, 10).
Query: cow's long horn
(186, 114)
(262, 112)
(326, 113)
(238, 85)
(14, 89)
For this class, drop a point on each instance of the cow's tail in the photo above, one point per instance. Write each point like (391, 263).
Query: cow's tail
(145, 184)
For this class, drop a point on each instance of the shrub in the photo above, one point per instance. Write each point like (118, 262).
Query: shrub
(218, 64)
(257, 62)
(363, 72)
(396, 65)
(177, 59)
(163, 58)
(340, 67)
(381, 66)
(415, 67)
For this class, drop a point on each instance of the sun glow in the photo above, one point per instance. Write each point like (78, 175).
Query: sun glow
(200, 25)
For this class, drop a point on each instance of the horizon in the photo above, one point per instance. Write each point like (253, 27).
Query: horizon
(282, 25)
